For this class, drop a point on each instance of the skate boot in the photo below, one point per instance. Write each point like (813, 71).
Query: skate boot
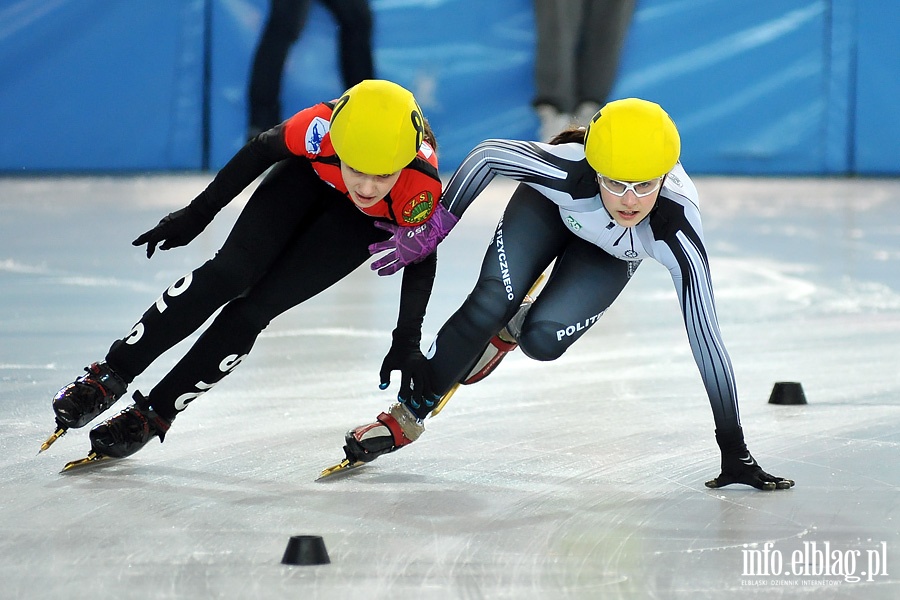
(129, 431)
(392, 430)
(82, 401)
(500, 345)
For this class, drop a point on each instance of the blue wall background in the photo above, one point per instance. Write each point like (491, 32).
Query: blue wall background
(756, 86)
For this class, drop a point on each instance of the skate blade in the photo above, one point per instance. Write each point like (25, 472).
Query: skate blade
(56, 435)
(91, 459)
(444, 399)
(342, 467)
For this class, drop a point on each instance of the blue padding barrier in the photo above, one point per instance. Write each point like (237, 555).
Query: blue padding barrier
(793, 87)
(101, 85)
(873, 110)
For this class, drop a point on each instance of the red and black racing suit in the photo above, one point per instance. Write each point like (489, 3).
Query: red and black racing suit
(298, 234)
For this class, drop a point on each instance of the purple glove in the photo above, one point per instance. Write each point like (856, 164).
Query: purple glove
(409, 245)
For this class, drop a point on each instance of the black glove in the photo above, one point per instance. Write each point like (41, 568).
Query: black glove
(738, 466)
(415, 382)
(175, 229)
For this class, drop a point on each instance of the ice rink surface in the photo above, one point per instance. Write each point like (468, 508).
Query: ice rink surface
(580, 478)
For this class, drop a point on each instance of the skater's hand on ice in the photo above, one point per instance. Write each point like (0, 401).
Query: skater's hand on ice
(744, 469)
(409, 245)
(738, 466)
(175, 229)
(415, 374)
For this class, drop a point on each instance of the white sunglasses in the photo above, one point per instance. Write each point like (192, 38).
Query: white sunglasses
(620, 188)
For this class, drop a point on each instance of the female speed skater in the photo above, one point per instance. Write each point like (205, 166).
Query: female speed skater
(347, 174)
(597, 201)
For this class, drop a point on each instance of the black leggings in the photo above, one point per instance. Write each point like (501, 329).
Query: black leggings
(295, 237)
(584, 282)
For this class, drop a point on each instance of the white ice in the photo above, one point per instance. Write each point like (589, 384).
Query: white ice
(579, 478)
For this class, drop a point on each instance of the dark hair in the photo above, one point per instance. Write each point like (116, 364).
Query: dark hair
(429, 135)
(567, 136)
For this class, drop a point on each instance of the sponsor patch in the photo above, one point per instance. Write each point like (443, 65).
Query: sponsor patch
(573, 223)
(418, 208)
(316, 131)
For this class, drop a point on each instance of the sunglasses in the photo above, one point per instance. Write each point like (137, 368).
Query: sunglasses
(639, 188)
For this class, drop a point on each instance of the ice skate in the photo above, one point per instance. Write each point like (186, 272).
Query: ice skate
(500, 345)
(90, 460)
(123, 434)
(130, 430)
(83, 400)
(402, 426)
(391, 431)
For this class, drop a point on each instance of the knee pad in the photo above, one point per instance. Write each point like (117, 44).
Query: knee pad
(539, 341)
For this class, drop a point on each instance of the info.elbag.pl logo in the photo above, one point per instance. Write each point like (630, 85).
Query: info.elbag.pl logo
(813, 563)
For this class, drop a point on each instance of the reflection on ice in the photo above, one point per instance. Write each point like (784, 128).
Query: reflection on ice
(579, 478)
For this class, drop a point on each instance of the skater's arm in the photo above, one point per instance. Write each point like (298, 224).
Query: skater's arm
(179, 228)
(411, 245)
(686, 258)
(558, 171)
(250, 162)
(690, 274)
(415, 292)
(420, 222)
(405, 354)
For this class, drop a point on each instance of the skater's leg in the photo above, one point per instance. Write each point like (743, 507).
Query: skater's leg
(526, 241)
(262, 230)
(584, 282)
(265, 226)
(316, 260)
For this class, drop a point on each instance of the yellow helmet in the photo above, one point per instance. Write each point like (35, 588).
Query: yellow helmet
(377, 127)
(632, 140)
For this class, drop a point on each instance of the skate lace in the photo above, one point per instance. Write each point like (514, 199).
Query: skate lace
(130, 425)
(100, 396)
(96, 398)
